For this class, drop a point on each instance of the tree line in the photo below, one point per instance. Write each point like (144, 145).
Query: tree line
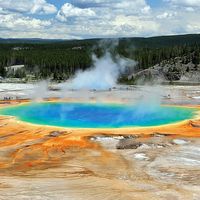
(59, 60)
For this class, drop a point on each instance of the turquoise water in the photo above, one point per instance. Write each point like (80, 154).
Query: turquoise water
(85, 115)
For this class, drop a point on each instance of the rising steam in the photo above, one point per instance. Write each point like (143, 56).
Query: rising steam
(103, 75)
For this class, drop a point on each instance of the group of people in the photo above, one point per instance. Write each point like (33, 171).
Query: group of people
(10, 98)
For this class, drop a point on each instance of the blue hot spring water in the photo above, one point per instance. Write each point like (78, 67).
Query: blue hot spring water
(89, 115)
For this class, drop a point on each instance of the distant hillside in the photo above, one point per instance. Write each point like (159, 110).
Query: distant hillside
(27, 40)
(185, 69)
(159, 41)
(60, 59)
(166, 41)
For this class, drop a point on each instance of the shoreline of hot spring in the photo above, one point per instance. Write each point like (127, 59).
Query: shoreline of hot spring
(188, 128)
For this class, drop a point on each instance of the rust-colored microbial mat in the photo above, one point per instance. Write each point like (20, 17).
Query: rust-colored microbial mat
(40, 162)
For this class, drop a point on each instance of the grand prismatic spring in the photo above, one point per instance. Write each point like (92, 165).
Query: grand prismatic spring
(83, 115)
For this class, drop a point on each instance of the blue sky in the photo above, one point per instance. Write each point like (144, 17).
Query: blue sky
(79, 19)
(58, 3)
(156, 3)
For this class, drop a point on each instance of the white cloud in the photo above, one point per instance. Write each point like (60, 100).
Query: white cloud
(41, 6)
(18, 22)
(187, 3)
(190, 9)
(146, 9)
(135, 25)
(193, 27)
(109, 18)
(126, 7)
(68, 10)
(97, 18)
(166, 15)
(28, 6)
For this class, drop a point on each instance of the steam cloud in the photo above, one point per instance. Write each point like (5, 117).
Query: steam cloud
(40, 90)
(150, 100)
(103, 75)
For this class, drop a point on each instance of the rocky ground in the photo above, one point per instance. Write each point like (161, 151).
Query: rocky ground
(159, 93)
(171, 162)
(136, 168)
(177, 70)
